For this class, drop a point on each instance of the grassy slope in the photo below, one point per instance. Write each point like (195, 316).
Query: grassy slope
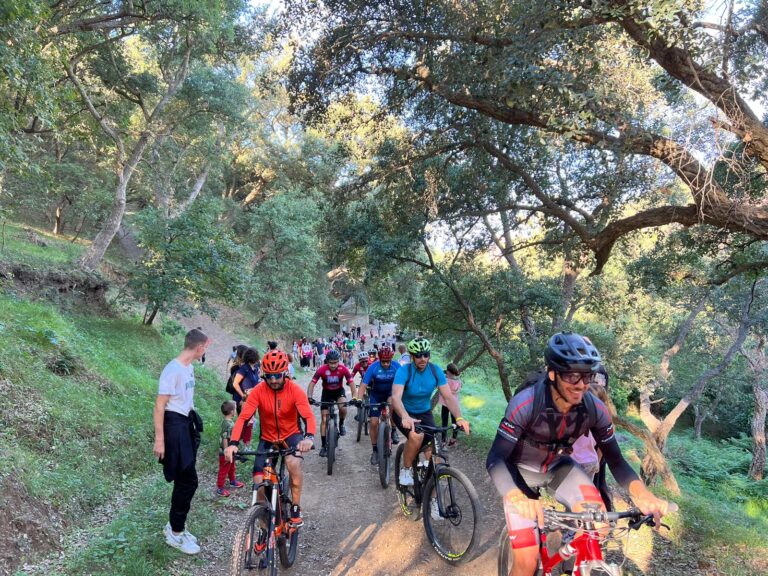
(80, 438)
(722, 512)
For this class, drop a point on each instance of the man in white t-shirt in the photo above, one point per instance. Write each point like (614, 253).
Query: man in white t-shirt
(177, 437)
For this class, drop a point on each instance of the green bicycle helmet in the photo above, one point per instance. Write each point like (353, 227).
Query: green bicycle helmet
(419, 345)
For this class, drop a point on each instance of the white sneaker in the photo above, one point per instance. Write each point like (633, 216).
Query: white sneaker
(406, 477)
(182, 542)
(187, 533)
(435, 509)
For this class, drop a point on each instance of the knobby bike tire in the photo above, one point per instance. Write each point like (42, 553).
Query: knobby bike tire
(330, 440)
(362, 415)
(384, 449)
(405, 494)
(288, 547)
(460, 498)
(505, 559)
(243, 555)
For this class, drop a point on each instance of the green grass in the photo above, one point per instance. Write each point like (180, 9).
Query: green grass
(17, 247)
(76, 437)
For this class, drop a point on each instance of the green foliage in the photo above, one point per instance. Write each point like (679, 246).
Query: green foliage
(288, 290)
(190, 260)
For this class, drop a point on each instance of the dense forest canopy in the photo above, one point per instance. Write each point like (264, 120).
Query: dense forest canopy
(489, 172)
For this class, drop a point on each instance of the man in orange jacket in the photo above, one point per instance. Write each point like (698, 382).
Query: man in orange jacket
(280, 402)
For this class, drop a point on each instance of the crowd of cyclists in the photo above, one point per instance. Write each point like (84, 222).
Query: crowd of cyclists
(550, 419)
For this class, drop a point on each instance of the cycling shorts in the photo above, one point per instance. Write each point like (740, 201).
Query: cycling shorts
(332, 395)
(375, 411)
(260, 461)
(424, 418)
(566, 482)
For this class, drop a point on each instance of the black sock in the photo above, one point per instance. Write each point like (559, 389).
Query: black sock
(375, 448)
(341, 421)
(323, 440)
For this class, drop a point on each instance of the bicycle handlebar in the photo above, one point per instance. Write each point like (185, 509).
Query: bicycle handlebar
(427, 428)
(634, 514)
(269, 453)
(352, 402)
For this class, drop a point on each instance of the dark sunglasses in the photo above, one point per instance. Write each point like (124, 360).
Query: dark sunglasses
(421, 355)
(576, 377)
(273, 376)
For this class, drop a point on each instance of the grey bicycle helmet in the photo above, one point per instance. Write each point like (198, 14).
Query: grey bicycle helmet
(571, 352)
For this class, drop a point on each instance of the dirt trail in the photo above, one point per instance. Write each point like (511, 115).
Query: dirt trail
(352, 525)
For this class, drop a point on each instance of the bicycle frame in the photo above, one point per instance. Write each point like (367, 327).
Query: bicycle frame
(588, 553)
(434, 468)
(273, 481)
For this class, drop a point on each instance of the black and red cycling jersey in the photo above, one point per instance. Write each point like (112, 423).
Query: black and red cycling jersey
(540, 441)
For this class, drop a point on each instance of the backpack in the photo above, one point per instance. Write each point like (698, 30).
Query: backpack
(539, 380)
(230, 388)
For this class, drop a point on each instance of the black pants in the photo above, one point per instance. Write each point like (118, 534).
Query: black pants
(444, 420)
(184, 487)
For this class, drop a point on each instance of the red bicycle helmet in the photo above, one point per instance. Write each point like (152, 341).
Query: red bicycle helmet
(386, 353)
(274, 362)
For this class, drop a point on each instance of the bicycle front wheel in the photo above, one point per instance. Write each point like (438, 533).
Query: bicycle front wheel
(406, 495)
(452, 514)
(288, 544)
(362, 415)
(330, 439)
(251, 543)
(383, 448)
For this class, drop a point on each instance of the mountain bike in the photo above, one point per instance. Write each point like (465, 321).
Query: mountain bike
(362, 417)
(332, 428)
(443, 496)
(384, 444)
(585, 549)
(267, 532)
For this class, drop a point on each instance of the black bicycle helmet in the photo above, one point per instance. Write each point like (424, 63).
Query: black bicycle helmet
(332, 356)
(571, 352)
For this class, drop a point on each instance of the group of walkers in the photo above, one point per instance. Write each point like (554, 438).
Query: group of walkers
(556, 433)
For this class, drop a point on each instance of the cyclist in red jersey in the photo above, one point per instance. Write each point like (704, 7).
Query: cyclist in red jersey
(279, 402)
(333, 374)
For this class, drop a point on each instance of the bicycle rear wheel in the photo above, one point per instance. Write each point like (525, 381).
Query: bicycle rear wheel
(330, 439)
(384, 449)
(454, 528)
(406, 495)
(250, 543)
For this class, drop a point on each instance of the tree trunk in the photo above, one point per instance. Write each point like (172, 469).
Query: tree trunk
(151, 318)
(758, 365)
(653, 458)
(757, 468)
(698, 419)
(57, 227)
(701, 414)
(661, 434)
(95, 252)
